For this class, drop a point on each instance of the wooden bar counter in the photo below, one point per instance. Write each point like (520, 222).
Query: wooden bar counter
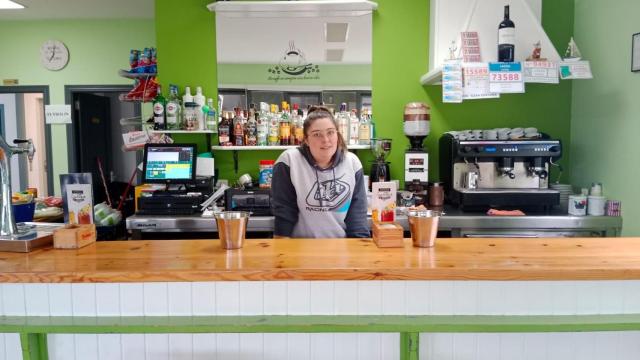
(329, 259)
(297, 299)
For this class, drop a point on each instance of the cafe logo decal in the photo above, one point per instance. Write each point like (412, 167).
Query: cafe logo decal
(293, 66)
(328, 195)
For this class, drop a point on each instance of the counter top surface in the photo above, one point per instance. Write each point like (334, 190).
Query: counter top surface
(330, 259)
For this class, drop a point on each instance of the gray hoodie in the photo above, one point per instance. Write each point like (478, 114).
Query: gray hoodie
(310, 202)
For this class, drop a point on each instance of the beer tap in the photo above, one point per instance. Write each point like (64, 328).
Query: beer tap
(8, 228)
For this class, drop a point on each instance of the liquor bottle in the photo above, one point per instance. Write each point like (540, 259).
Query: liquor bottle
(238, 128)
(506, 38)
(211, 121)
(173, 109)
(298, 126)
(224, 130)
(263, 124)
(159, 104)
(342, 120)
(364, 133)
(274, 126)
(285, 125)
(354, 127)
(251, 129)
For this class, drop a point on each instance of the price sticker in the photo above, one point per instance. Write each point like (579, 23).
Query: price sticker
(506, 78)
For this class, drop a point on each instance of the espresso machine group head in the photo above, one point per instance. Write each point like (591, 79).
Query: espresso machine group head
(499, 173)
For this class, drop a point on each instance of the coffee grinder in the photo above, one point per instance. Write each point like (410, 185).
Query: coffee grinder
(380, 167)
(416, 158)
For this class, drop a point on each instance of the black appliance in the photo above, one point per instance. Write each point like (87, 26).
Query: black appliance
(253, 200)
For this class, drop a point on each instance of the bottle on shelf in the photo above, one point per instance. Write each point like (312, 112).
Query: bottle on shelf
(186, 98)
(159, 116)
(238, 128)
(173, 109)
(201, 101)
(354, 127)
(224, 130)
(298, 125)
(506, 38)
(342, 120)
(251, 130)
(274, 126)
(263, 124)
(285, 125)
(211, 120)
(364, 129)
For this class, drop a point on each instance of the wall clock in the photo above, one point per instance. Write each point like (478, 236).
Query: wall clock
(54, 55)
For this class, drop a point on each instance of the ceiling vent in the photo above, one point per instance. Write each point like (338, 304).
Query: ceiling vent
(336, 32)
(334, 55)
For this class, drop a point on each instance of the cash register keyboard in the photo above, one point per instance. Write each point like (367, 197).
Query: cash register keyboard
(160, 211)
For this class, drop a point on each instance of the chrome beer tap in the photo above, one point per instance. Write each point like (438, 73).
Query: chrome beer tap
(8, 228)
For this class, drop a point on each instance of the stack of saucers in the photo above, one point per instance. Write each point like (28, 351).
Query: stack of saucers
(565, 190)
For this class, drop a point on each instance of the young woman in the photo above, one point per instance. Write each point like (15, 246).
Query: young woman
(318, 189)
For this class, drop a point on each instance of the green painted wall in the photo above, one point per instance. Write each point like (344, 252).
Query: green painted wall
(98, 48)
(328, 75)
(604, 123)
(400, 53)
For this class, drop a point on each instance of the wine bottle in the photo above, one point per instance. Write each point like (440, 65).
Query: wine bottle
(506, 38)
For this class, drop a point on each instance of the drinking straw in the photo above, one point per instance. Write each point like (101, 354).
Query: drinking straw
(126, 190)
(104, 182)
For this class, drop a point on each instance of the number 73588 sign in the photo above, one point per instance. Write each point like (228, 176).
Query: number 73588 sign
(506, 78)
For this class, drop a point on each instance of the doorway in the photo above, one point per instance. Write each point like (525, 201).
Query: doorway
(95, 137)
(22, 117)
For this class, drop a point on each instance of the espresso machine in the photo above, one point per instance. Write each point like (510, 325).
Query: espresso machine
(380, 167)
(479, 174)
(416, 159)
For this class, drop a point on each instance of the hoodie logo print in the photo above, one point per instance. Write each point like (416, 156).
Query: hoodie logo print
(328, 195)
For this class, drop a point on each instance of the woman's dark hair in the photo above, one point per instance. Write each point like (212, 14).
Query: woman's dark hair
(321, 112)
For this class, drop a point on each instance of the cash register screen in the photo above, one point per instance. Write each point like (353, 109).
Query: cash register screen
(169, 163)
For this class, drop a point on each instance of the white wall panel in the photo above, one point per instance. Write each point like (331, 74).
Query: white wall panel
(327, 297)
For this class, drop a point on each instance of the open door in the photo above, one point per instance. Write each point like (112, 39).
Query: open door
(93, 138)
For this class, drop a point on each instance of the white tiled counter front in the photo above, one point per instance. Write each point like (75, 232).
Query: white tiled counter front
(328, 298)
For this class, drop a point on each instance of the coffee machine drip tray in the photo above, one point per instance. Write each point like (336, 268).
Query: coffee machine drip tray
(511, 198)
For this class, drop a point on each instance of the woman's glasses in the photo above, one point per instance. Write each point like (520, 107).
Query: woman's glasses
(319, 134)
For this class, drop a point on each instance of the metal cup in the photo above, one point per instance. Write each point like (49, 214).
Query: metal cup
(232, 226)
(424, 227)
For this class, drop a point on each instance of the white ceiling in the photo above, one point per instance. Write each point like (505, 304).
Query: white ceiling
(80, 9)
(265, 40)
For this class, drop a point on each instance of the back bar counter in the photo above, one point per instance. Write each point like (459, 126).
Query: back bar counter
(454, 224)
(481, 298)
